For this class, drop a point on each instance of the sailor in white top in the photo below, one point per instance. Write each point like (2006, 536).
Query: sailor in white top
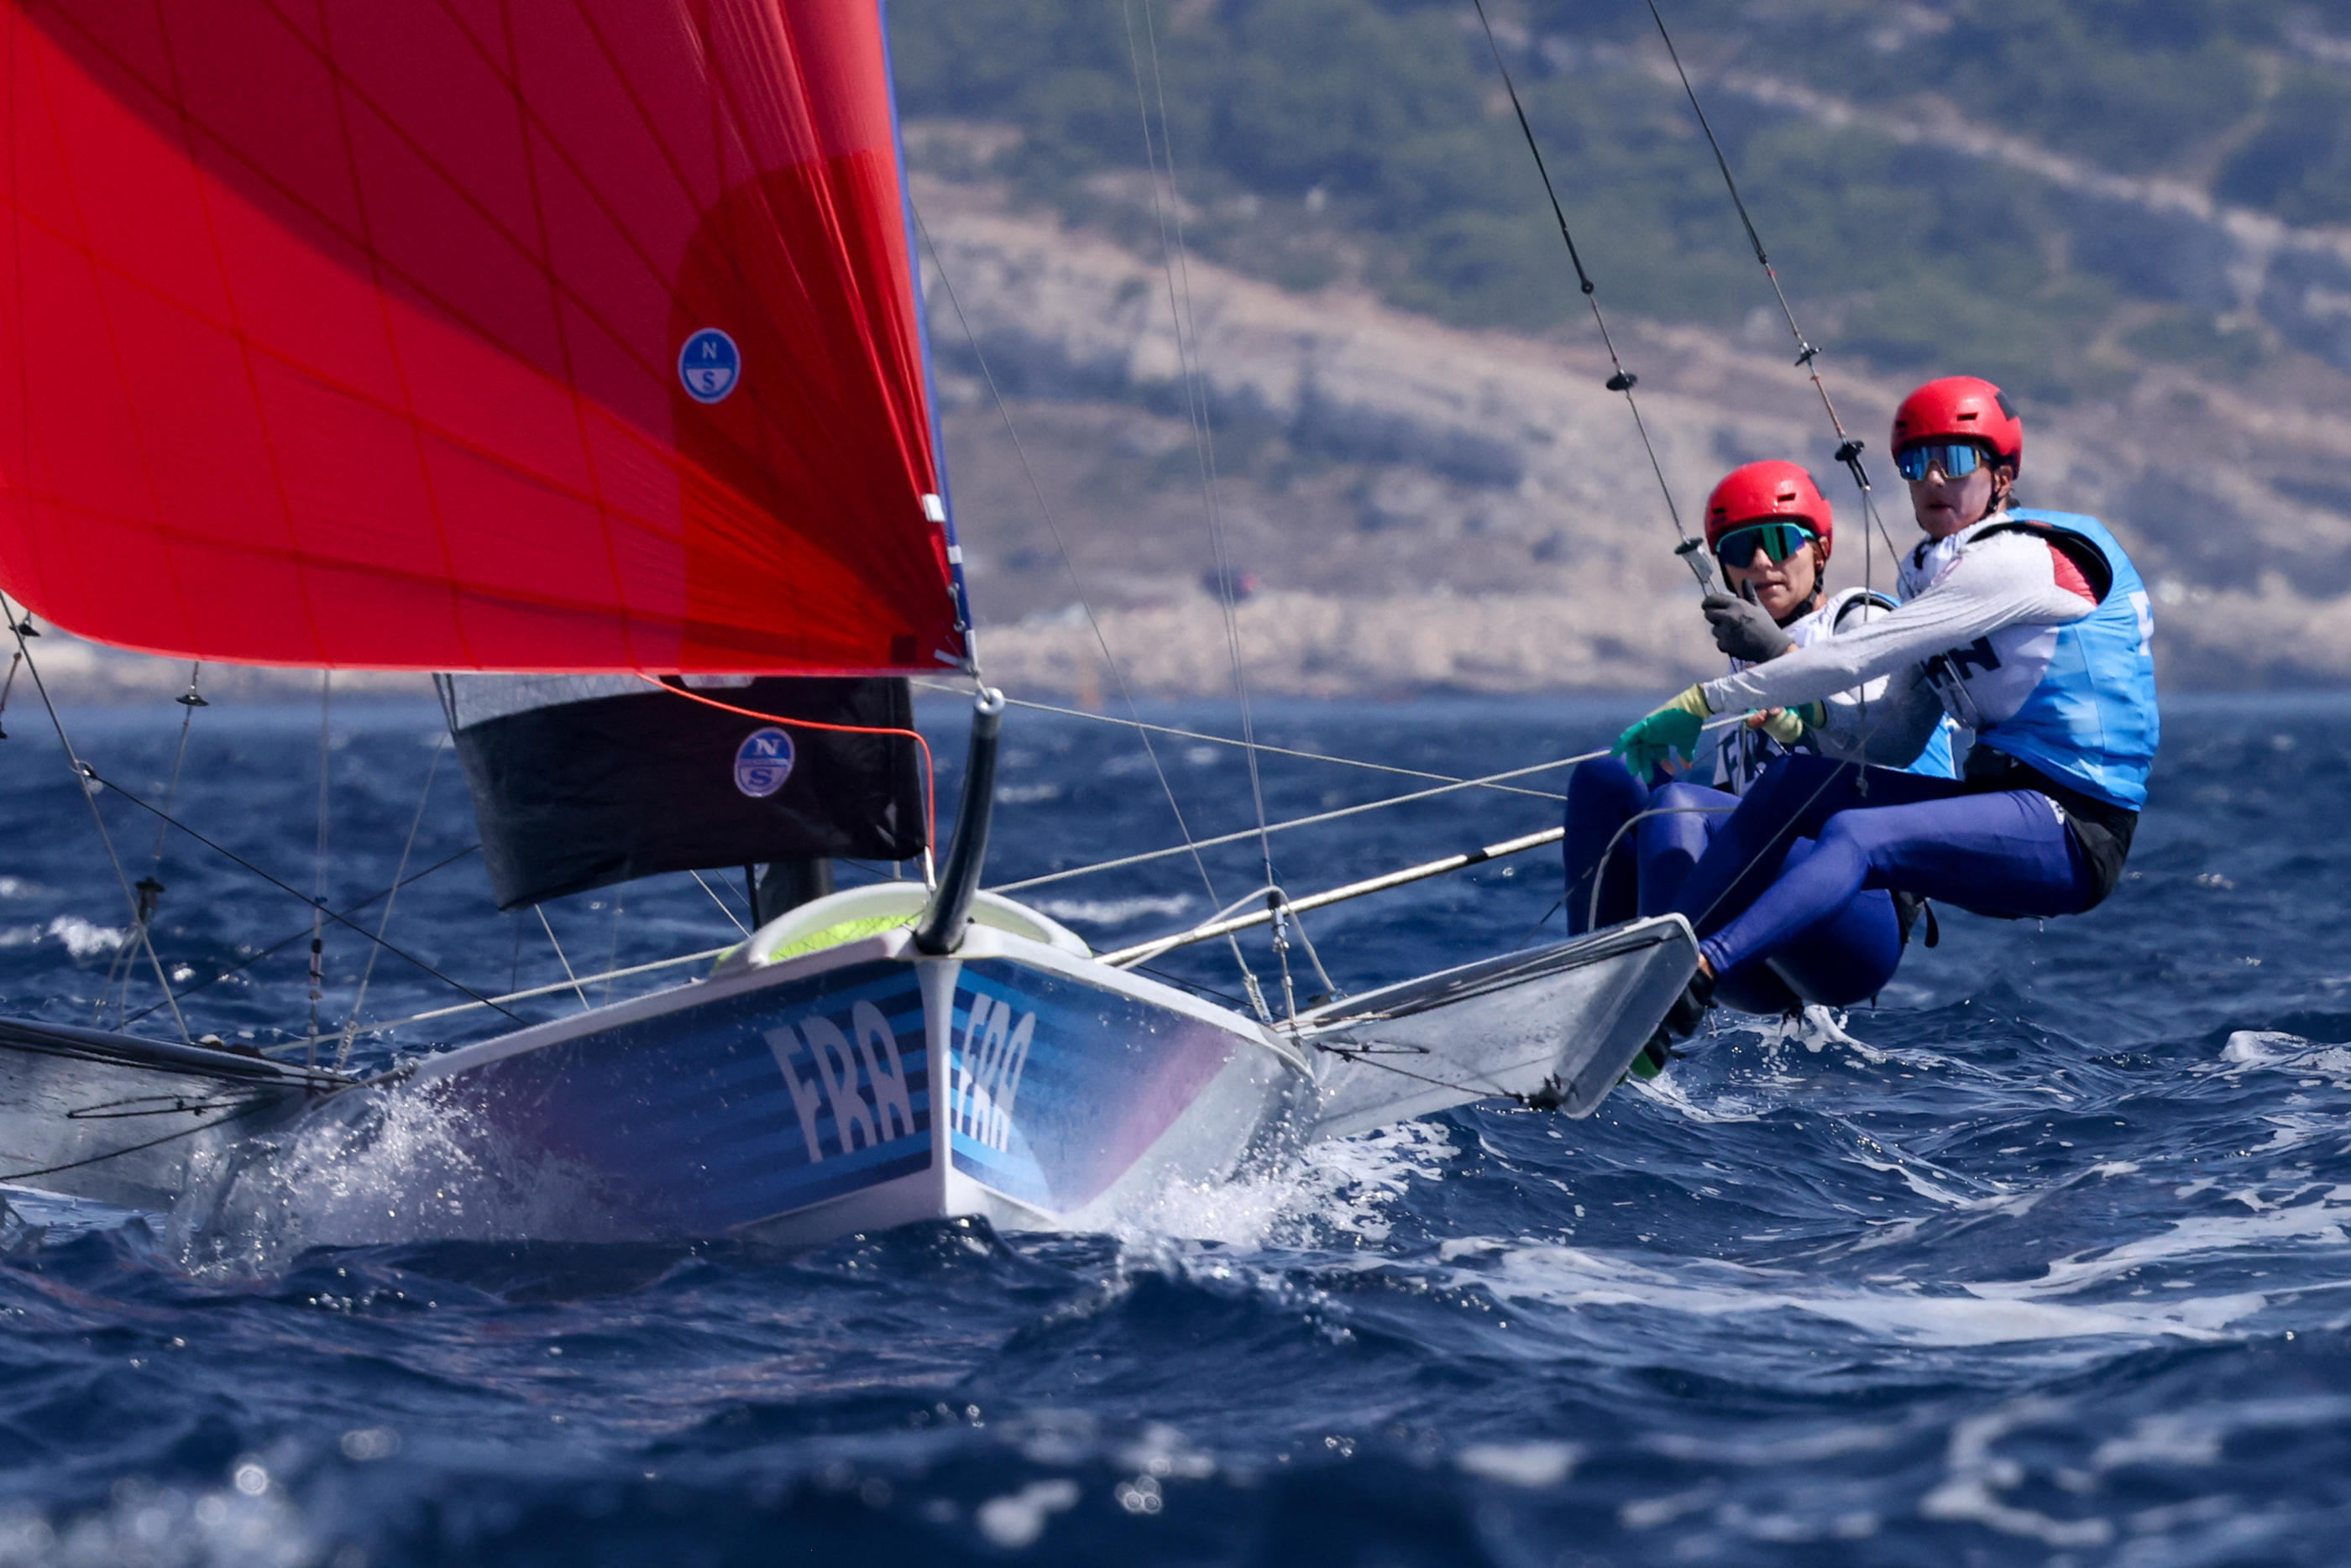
(2032, 628)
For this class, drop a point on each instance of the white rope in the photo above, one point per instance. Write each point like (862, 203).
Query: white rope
(722, 907)
(540, 910)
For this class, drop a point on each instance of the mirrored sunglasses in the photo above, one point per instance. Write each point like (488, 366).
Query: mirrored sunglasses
(1777, 540)
(1957, 458)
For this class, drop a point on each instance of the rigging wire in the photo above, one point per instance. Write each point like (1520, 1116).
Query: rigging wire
(1070, 565)
(1692, 551)
(424, 798)
(1346, 811)
(20, 627)
(1849, 450)
(724, 907)
(92, 774)
(570, 983)
(1261, 746)
(1174, 259)
(319, 863)
(274, 949)
(612, 952)
(151, 887)
(585, 1005)
(1600, 866)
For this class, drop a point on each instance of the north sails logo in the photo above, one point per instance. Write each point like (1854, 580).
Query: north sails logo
(763, 761)
(709, 365)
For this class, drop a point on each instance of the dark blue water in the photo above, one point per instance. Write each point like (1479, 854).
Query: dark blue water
(2044, 1262)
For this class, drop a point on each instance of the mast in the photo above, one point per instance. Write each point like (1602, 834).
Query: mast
(940, 931)
(784, 885)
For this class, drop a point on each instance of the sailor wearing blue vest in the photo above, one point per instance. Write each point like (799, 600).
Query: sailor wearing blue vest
(2032, 628)
(1632, 840)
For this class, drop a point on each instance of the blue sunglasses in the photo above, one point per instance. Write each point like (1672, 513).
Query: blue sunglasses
(1777, 540)
(1957, 458)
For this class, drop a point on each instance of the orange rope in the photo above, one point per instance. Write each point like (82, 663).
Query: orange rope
(930, 775)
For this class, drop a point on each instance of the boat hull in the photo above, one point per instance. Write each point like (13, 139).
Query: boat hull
(860, 1087)
(1558, 1025)
(852, 1088)
(125, 1120)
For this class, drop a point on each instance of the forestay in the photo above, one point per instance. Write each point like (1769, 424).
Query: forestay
(532, 336)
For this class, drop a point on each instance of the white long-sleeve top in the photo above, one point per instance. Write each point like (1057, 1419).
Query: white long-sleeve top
(1979, 586)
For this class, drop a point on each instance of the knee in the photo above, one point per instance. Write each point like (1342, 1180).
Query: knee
(1855, 835)
(1844, 834)
(1604, 786)
(1684, 816)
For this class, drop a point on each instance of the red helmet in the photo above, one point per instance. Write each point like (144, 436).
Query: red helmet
(1757, 491)
(1965, 408)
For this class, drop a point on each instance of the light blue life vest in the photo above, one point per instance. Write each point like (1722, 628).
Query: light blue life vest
(2075, 701)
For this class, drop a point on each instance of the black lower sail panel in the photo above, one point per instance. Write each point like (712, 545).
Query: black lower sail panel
(583, 781)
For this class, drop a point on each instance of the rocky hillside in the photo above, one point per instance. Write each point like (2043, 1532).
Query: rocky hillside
(1428, 506)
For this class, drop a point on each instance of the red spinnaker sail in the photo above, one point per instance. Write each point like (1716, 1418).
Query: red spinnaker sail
(526, 334)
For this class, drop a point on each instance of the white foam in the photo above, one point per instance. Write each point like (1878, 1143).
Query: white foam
(1341, 1185)
(2271, 1050)
(1116, 911)
(1970, 1492)
(2260, 1232)
(1569, 1276)
(1016, 1520)
(85, 938)
(1532, 1465)
(368, 1168)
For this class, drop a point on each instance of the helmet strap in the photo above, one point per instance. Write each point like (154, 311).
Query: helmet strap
(2004, 485)
(1820, 588)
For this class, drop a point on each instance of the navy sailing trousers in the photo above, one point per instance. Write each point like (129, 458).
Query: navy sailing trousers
(2004, 853)
(1847, 960)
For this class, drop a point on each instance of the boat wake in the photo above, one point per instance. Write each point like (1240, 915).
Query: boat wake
(373, 1169)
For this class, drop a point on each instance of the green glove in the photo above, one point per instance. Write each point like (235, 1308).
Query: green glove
(1672, 729)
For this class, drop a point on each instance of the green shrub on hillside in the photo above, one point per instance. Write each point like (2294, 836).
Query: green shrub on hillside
(1314, 135)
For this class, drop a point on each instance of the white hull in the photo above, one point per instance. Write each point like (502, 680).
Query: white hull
(865, 1086)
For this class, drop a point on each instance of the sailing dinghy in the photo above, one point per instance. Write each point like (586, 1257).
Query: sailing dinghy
(576, 351)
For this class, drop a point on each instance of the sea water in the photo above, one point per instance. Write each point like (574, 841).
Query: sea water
(2041, 1260)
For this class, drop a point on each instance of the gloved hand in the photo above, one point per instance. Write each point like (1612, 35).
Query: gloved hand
(1785, 725)
(1745, 631)
(1671, 730)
